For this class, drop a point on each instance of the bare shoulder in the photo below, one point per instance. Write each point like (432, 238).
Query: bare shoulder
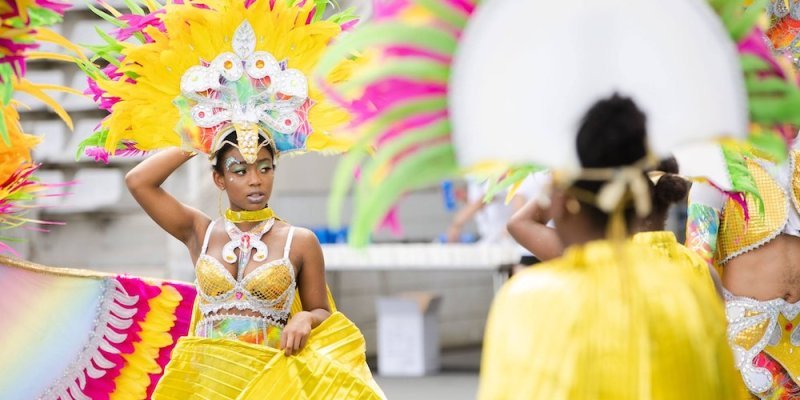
(303, 239)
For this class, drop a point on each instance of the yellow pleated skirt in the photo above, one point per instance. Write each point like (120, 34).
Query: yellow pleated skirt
(331, 366)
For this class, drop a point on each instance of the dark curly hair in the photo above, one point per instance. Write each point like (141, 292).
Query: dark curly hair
(670, 189)
(612, 134)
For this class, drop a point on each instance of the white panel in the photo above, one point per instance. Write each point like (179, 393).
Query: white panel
(93, 190)
(54, 198)
(53, 133)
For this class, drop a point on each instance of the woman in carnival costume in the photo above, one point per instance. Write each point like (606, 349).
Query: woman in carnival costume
(753, 240)
(529, 225)
(611, 318)
(229, 79)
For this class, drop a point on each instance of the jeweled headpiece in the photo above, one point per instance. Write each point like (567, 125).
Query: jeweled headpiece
(251, 93)
(204, 69)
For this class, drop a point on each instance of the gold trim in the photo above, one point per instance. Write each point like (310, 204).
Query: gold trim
(74, 272)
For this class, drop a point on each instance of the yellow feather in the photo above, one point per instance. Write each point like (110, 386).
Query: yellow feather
(47, 35)
(44, 55)
(36, 91)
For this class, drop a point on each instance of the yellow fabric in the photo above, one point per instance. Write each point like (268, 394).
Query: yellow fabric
(666, 244)
(212, 280)
(607, 321)
(134, 379)
(783, 351)
(737, 236)
(269, 284)
(796, 179)
(331, 366)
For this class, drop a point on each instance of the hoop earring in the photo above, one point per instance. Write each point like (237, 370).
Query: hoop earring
(219, 203)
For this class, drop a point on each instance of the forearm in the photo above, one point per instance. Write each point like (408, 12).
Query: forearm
(527, 227)
(315, 316)
(153, 171)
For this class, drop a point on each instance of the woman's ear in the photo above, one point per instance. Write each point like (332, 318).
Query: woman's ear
(219, 180)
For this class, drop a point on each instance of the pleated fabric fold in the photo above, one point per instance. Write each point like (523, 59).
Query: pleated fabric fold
(608, 320)
(331, 366)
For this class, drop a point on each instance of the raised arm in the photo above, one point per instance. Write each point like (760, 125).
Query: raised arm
(528, 226)
(462, 217)
(144, 182)
(313, 292)
(702, 222)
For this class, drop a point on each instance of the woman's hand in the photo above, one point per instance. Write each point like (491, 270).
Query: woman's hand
(295, 334)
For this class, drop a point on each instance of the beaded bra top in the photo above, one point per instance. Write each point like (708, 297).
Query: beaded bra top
(781, 196)
(267, 290)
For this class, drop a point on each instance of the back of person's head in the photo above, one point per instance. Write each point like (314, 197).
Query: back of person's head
(612, 134)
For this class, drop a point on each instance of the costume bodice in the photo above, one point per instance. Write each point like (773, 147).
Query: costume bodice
(779, 188)
(268, 290)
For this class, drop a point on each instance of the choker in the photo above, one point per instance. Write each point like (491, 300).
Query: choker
(249, 216)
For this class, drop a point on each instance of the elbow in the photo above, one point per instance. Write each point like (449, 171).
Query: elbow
(133, 180)
(513, 227)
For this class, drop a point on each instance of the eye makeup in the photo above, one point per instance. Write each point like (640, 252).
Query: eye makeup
(230, 161)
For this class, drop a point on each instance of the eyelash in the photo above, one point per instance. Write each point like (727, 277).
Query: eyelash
(264, 169)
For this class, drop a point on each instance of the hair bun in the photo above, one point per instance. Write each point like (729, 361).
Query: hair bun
(670, 189)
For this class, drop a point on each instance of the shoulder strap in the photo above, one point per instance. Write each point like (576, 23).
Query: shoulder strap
(208, 235)
(288, 243)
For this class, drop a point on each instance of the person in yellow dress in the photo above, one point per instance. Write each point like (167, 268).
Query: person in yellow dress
(530, 228)
(230, 79)
(611, 318)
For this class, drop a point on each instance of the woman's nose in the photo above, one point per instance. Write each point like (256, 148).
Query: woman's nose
(253, 179)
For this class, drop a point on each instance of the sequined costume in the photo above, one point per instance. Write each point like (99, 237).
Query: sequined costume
(762, 334)
(200, 75)
(267, 291)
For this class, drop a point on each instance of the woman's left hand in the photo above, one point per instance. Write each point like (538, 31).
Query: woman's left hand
(295, 334)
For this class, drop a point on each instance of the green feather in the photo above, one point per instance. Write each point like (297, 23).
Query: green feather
(342, 182)
(403, 143)
(97, 139)
(445, 13)
(389, 33)
(424, 168)
(418, 70)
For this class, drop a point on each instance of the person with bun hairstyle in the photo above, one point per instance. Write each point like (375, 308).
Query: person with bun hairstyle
(530, 228)
(610, 318)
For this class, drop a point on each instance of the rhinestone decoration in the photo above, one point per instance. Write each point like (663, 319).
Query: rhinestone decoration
(249, 91)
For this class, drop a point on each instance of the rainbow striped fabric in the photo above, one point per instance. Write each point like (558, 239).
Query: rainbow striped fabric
(86, 335)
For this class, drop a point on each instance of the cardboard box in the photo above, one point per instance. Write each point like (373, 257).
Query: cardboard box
(408, 334)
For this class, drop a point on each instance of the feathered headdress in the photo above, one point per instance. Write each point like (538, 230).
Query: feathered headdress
(200, 70)
(22, 27)
(447, 75)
